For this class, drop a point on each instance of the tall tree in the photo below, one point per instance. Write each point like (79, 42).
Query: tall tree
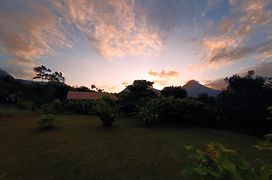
(42, 72)
(175, 91)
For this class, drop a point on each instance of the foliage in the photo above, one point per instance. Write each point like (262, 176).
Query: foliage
(47, 122)
(269, 118)
(136, 95)
(185, 111)
(218, 162)
(25, 104)
(79, 106)
(105, 111)
(148, 113)
(243, 105)
(44, 73)
(56, 107)
(175, 91)
(266, 144)
(41, 72)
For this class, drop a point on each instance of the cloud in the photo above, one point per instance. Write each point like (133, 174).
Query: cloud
(28, 31)
(218, 84)
(161, 83)
(162, 78)
(164, 73)
(125, 83)
(114, 28)
(226, 25)
(241, 34)
(108, 88)
(265, 55)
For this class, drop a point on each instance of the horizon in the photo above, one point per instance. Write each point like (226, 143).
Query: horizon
(112, 43)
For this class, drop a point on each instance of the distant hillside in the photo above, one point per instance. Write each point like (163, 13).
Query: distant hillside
(4, 74)
(194, 88)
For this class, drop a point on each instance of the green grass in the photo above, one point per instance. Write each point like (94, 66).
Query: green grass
(81, 149)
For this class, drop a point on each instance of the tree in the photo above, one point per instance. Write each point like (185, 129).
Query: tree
(175, 91)
(41, 72)
(243, 105)
(56, 77)
(44, 73)
(137, 94)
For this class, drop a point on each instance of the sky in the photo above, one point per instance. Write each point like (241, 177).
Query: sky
(111, 43)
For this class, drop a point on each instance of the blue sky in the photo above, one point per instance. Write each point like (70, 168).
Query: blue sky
(111, 43)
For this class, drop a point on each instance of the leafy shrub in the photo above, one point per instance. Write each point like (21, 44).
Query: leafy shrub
(218, 162)
(47, 122)
(57, 106)
(185, 111)
(80, 106)
(266, 144)
(48, 109)
(106, 112)
(25, 104)
(148, 113)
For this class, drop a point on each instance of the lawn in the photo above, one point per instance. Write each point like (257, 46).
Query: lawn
(81, 149)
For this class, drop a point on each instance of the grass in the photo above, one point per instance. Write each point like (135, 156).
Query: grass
(81, 149)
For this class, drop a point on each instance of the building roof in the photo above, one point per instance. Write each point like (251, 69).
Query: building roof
(77, 95)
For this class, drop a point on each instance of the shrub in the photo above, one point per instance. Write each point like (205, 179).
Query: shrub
(25, 104)
(218, 162)
(106, 112)
(148, 113)
(57, 106)
(47, 122)
(81, 106)
(185, 111)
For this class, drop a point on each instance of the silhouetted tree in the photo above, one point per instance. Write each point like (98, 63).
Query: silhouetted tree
(41, 72)
(56, 77)
(175, 91)
(243, 105)
(136, 94)
(44, 73)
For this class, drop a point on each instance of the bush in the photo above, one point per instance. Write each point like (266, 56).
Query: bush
(218, 162)
(187, 111)
(106, 113)
(25, 104)
(80, 106)
(47, 122)
(48, 109)
(148, 113)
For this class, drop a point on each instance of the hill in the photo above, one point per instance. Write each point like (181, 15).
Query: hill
(194, 88)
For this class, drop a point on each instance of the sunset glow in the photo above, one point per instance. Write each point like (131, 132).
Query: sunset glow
(110, 43)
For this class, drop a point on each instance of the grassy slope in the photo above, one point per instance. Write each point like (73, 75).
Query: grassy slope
(81, 149)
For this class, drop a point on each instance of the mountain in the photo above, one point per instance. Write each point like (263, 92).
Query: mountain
(194, 88)
(4, 74)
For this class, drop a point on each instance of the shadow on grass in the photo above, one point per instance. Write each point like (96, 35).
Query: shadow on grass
(45, 130)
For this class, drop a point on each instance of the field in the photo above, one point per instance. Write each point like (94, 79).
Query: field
(81, 149)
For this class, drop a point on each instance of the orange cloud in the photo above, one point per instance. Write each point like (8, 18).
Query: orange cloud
(164, 73)
(29, 34)
(232, 45)
(218, 84)
(226, 25)
(111, 27)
